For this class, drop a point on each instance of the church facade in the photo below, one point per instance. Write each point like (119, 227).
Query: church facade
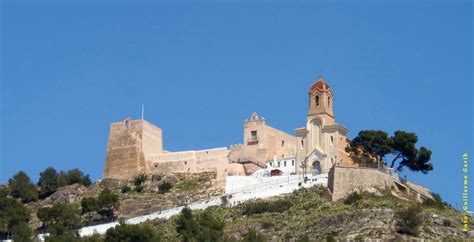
(323, 141)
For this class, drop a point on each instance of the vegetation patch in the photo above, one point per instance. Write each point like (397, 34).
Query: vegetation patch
(165, 187)
(410, 220)
(261, 206)
(352, 198)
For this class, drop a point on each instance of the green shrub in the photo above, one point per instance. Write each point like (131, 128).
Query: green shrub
(330, 239)
(62, 221)
(259, 206)
(139, 179)
(253, 236)
(125, 189)
(436, 202)
(352, 198)
(107, 203)
(165, 187)
(92, 238)
(447, 223)
(410, 220)
(12, 214)
(187, 185)
(23, 233)
(132, 233)
(204, 227)
(139, 188)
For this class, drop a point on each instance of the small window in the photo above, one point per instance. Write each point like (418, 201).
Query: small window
(284, 163)
(278, 164)
(254, 135)
(292, 162)
(302, 144)
(329, 101)
(317, 100)
(282, 143)
(332, 140)
(271, 164)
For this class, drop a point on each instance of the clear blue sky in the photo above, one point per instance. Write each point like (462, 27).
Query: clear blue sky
(70, 69)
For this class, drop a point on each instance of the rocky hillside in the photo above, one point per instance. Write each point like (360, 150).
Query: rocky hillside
(308, 215)
(183, 190)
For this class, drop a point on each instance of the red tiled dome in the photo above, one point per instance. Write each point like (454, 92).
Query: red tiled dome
(320, 84)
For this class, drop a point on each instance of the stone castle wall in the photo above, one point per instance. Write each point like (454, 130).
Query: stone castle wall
(344, 180)
(210, 160)
(136, 146)
(125, 157)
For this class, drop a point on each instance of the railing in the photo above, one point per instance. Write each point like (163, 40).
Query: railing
(261, 186)
(289, 180)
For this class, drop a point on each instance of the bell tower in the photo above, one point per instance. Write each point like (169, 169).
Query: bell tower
(320, 98)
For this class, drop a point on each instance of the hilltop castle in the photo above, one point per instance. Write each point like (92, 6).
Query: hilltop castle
(136, 146)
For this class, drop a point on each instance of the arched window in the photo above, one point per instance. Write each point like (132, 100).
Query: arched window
(316, 168)
(332, 140)
(329, 101)
(317, 100)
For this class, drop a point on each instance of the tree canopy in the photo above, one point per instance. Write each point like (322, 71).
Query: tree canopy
(13, 216)
(375, 145)
(204, 227)
(132, 233)
(107, 202)
(62, 220)
(50, 180)
(21, 187)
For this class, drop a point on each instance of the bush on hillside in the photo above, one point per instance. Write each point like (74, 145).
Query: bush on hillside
(410, 220)
(352, 198)
(62, 221)
(204, 227)
(253, 236)
(132, 233)
(139, 179)
(23, 233)
(259, 206)
(125, 189)
(13, 216)
(164, 187)
(436, 202)
(107, 203)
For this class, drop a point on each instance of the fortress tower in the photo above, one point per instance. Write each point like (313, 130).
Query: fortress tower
(130, 142)
(322, 141)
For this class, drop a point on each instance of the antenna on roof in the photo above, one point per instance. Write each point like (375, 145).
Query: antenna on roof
(143, 111)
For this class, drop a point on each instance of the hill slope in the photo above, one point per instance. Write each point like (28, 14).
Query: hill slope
(308, 214)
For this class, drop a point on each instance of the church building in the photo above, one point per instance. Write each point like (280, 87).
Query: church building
(323, 141)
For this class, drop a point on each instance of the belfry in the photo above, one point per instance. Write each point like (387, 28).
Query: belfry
(322, 141)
